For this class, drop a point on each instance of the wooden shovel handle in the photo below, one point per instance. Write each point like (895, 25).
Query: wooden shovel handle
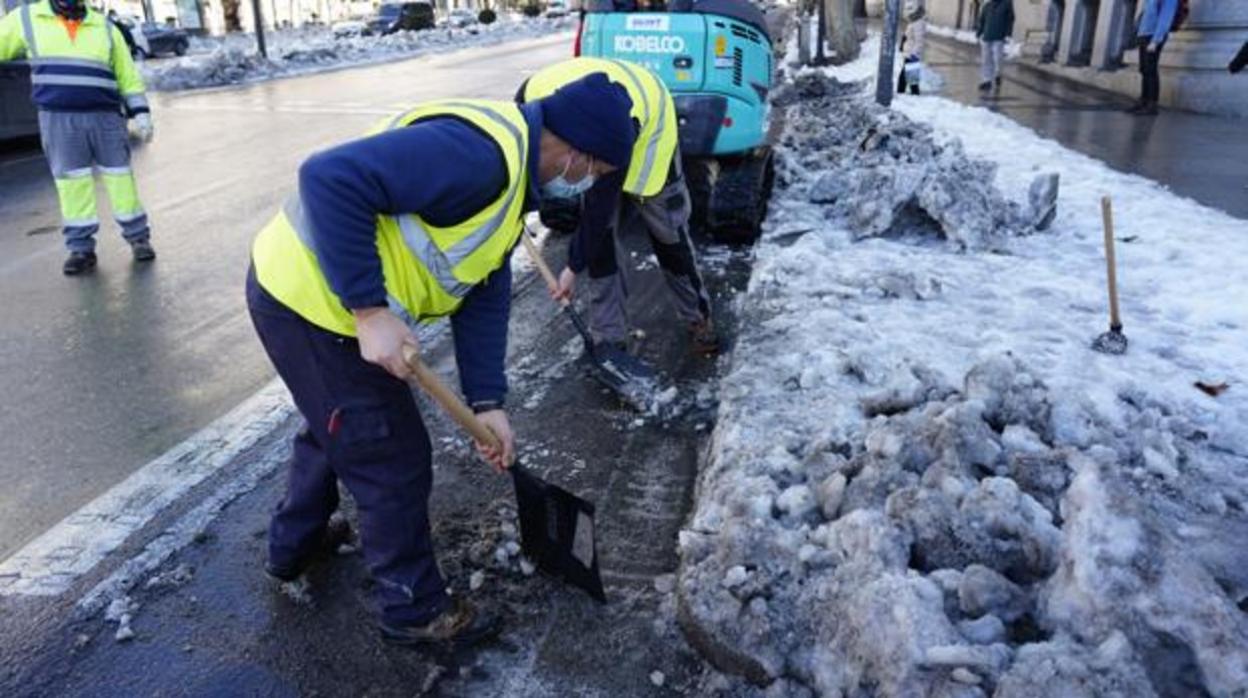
(449, 401)
(551, 282)
(1111, 264)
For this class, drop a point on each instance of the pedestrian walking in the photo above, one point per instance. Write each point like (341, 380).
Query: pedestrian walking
(995, 25)
(913, 40)
(85, 85)
(1157, 19)
(654, 185)
(1053, 27)
(414, 222)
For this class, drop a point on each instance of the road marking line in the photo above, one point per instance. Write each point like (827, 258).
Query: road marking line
(50, 564)
(185, 530)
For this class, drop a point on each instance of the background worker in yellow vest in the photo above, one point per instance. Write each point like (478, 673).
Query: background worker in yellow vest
(654, 184)
(413, 222)
(83, 82)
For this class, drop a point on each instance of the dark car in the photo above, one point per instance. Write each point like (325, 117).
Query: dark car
(402, 16)
(17, 113)
(162, 39)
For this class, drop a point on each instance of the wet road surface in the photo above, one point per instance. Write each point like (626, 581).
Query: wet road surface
(1195, 155)
(211, 623)
(102, 373)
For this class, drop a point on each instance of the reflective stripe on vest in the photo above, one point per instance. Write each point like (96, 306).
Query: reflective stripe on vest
(653, 108)
(650, 145)
(68, 71)
(428, 270)
(32, 47)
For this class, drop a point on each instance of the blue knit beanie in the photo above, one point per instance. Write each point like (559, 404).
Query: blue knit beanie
(592, 115)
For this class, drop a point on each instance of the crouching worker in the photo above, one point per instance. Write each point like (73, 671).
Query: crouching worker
(653, 183)
(413, 222)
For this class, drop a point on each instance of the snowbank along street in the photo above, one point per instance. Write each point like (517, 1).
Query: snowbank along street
(951, 494)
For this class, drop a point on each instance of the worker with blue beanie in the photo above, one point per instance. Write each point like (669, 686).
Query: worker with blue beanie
(653, 186)
(414, 222)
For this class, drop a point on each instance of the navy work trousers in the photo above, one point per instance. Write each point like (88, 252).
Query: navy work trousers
(364, 429)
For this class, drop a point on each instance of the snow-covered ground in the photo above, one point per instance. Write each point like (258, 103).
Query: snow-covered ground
(233, 59)
(923, 482)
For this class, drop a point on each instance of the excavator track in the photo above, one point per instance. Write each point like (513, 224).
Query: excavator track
(738, 196)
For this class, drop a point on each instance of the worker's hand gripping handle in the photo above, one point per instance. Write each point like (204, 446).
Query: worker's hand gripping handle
(536, 255)
(448, 400)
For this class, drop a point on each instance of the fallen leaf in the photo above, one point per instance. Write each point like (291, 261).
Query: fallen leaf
(1211, 389)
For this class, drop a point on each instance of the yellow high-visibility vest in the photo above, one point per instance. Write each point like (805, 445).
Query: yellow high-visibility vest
(428, 270)
(653, 109)
(90, 70)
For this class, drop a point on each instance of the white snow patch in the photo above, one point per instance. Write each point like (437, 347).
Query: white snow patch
(966, 469)
(233, 59)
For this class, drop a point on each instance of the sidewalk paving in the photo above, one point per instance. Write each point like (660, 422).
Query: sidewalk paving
(1197, 156)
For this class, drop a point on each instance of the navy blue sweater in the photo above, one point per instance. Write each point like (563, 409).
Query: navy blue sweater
(444, 170)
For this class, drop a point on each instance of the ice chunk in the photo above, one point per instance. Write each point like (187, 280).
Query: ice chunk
(984, 591)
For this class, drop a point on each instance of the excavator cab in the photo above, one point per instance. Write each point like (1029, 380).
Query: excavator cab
(716, 58)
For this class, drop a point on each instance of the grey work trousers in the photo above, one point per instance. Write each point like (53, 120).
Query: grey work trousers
(991, 55)
(79, 145)
(666, 220)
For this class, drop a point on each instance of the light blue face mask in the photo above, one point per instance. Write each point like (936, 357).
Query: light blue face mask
(561, 188)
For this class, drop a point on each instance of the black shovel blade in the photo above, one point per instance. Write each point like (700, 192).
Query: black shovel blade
(557, 531)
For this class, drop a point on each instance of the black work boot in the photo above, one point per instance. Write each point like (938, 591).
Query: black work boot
(337, 532)
(143, 251)
(702, 337)
(460, 626)
(79, 263)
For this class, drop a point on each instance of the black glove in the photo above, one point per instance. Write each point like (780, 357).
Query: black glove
(560, 215)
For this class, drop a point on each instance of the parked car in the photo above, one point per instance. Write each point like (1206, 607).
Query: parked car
(151, 40)
(460, 18)
(402, 16)
(556, 8)
(350, 27)
(18, 118)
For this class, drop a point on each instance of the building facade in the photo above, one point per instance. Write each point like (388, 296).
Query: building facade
(1095, 46)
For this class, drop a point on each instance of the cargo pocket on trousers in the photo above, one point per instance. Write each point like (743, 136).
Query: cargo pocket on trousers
(668, 212)
(362, 432)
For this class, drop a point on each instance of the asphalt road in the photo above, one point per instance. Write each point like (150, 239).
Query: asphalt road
(100, 374)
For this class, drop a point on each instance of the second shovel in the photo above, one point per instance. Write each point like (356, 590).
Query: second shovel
(638, 392)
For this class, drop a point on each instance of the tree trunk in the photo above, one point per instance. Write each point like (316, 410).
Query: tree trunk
(230, 9)
(842, 34)
(888, 49)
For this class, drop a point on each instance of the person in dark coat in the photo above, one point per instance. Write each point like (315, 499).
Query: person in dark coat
(995, 25)
(1156, 22)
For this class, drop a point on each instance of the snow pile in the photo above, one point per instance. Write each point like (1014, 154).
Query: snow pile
(233, 59)
(922, 481)
(888, 171)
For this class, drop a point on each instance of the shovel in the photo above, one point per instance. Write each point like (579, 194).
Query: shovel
(1113, 341)
(556, 526)
(635, 391)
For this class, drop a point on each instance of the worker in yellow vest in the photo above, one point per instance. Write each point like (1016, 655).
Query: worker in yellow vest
(652, 183)
(414, 222)
(84, 85)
